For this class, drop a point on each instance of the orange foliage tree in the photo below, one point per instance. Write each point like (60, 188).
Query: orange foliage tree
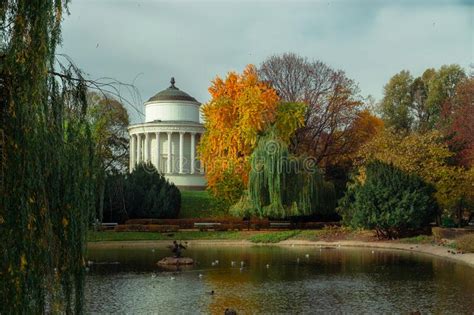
(241, 107)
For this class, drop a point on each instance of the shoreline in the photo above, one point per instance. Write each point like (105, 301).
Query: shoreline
(427, 249)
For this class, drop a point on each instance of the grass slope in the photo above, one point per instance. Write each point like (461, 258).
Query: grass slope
(200, 204)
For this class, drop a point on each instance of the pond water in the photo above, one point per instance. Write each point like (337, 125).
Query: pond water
(298, 280)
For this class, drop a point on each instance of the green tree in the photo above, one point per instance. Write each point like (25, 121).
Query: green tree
(388, 200)
(283, 185)
(419, 94)
(397, 100)
(442, 87)
(109, 121)
(416, 104)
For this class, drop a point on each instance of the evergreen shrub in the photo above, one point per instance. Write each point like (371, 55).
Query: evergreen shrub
(145, 193)
(388, 200)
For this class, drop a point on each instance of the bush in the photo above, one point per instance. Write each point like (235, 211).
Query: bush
(144, 193)
(466, 243)
(148, 194)
(389, 201)
(243, 208)
(114, 199)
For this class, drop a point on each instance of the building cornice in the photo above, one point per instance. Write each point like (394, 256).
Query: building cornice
(171, 102)
(174, 126)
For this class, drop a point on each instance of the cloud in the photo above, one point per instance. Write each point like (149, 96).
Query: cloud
(196, 40)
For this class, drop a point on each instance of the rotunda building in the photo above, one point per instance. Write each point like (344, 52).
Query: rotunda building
(169, 137)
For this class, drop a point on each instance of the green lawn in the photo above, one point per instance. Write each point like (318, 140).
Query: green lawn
(152, 236)
(419, 239)
(253, 236)
(273, 237)
(200, 204)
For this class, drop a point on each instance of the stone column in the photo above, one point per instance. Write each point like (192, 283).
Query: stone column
(158, 152)
(201, 169)
(169, 152)
(181, 140)
(193, 149)
(146, 154)
(139, 149)
(130, 149)
(132, 153)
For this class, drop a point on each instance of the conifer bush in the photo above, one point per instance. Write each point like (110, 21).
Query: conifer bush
(388, 200)
(148, 194)
(145, 194)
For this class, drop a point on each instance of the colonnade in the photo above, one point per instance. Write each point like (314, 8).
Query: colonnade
(139, 154)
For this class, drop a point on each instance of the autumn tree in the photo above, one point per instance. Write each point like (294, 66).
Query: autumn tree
(458, 122)
(333, 104)
(428, 156)
(442, 88)
(241, 107)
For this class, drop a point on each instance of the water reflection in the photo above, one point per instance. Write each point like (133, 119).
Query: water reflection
(298, 280)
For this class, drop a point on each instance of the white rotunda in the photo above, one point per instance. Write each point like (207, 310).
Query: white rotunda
(169, 137)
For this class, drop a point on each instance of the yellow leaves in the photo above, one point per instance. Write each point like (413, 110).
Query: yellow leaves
(289, 117)
(425, 155)
(65, 222)
(23, 262)
(241, 107)
(2, 220)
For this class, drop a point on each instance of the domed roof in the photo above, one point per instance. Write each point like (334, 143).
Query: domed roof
(172, 94)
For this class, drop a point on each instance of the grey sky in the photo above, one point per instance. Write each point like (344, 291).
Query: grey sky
(194, 41)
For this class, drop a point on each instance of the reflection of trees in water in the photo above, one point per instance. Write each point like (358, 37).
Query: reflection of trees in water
(330, 279)
(444, 274)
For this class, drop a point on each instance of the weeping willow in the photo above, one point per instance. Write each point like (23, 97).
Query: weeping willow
(283, 185)
(47, 181)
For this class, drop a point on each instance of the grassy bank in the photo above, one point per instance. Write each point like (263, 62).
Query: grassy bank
(253, 236)
(329, 234)
(200, 204)
(152, 236)
(325, 234)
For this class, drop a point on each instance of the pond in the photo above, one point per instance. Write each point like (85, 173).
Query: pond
(297, 280)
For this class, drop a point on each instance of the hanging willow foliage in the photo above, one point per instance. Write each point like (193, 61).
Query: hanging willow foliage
(47, 158)
(283, 185)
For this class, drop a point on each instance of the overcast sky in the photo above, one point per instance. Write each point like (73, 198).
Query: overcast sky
(147, 42)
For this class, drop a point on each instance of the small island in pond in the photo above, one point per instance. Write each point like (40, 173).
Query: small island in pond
(176, 259)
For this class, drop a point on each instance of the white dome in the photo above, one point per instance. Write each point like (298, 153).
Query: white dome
(172, 104)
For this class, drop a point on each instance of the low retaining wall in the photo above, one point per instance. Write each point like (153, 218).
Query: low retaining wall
(450, 233)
